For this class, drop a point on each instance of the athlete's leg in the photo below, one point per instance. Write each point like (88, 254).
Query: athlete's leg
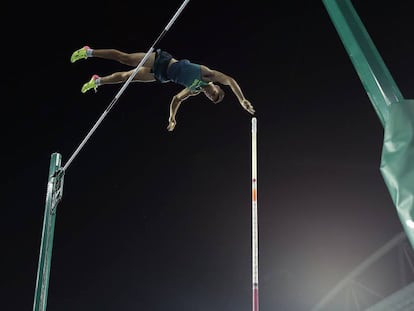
(130, 59)
(143, 75)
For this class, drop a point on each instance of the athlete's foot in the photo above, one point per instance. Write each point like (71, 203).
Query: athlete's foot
(90, 85)
(79, 54)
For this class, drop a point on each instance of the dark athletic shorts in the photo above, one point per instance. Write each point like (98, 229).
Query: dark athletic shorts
(159, 69)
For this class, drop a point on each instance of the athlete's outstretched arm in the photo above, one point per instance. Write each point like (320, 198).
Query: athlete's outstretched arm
(217, 76)
(175, 104)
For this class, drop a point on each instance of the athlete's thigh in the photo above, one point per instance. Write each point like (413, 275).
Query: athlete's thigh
(136, 59)
(144, 74)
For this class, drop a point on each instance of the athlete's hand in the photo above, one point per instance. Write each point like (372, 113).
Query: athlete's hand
(247, 106)
(171, 125)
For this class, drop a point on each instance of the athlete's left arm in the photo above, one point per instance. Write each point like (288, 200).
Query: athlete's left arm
(219, 77)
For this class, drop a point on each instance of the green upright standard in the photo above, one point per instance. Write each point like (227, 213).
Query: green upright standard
(395, 113)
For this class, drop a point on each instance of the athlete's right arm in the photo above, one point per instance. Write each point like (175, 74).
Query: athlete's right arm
(217, 76)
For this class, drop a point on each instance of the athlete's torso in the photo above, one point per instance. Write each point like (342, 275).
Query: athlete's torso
(187, 74)
(183, 72)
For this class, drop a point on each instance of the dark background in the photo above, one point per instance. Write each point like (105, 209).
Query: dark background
(160, 220)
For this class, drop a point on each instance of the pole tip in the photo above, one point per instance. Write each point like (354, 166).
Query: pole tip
(254, 124)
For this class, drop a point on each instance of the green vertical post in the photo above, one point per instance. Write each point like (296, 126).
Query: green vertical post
(395, 113)
(53, 196)
(368, 63)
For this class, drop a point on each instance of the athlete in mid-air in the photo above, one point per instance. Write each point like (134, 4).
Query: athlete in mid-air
(163, 67)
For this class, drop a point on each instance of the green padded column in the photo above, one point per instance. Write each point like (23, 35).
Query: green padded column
(368, 63)
(53, 196)
(395, 113)
(397, 162)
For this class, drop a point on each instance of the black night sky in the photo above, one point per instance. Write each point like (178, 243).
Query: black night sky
(158, 220)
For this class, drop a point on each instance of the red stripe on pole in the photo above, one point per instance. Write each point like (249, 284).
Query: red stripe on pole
(255, 299)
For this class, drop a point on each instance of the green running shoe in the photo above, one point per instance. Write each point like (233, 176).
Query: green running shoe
(91, 84)
(79, 54)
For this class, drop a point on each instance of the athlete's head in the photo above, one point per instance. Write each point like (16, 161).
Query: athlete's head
(213, 92)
